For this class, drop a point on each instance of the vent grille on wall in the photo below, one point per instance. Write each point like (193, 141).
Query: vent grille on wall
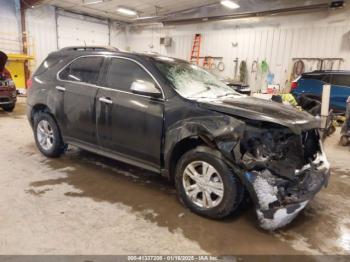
(166, 41)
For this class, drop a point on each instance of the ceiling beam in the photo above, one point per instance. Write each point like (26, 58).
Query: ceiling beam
(298, 9)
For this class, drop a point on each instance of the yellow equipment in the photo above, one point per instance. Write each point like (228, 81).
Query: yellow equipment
(15, 65)
(290, 99)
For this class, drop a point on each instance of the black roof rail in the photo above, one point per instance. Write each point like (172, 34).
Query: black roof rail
(327, 71)
(89, 48)
(317, 71)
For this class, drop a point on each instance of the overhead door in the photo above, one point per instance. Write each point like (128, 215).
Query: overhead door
(79, 30)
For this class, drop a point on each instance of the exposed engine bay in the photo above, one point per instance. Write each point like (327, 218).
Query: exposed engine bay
(283, 170)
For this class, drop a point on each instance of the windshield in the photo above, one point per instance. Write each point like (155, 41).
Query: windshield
(193, 82)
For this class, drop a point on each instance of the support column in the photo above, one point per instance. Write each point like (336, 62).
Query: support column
(24, 40)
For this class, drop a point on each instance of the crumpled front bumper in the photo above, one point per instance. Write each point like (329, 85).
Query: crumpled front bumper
(279, 201)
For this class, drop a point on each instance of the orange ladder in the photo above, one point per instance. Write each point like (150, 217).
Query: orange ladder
(196, 49)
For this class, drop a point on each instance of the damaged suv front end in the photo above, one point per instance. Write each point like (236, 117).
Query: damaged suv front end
(278, 156)
(284, 171)
(274, 150)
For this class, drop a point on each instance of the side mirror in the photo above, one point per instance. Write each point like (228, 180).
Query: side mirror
(141, 87)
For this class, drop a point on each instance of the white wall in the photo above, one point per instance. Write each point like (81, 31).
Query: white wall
(79, 30)
(71, 29)
(118, 35)
(10, 38)
(276, 39)
(41, 28)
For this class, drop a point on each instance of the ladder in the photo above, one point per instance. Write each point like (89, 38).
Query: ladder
(196, 49)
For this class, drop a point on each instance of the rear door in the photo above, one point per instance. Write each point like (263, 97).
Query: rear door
(129, 125)
(77, 91)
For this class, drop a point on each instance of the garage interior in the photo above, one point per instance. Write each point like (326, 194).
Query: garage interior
(85, 204)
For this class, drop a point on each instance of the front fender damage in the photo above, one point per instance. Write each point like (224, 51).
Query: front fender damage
(281, 170)
(219, 131)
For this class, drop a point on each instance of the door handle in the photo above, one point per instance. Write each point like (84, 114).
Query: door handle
(61, 88)
(105, 100)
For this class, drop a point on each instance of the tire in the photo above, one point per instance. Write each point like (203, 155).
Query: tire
(221, 206)
(9, 108)
(344, 140)
(55, 147)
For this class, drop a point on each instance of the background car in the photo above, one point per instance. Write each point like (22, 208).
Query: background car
(311, 85)
(8, 92)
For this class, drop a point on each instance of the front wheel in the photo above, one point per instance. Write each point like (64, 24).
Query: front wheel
(47, 135)
(206, 185)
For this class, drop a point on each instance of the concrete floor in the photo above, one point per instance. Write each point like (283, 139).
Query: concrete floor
(86, 204)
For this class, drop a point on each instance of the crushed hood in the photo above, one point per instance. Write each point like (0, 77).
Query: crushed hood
(263, 110)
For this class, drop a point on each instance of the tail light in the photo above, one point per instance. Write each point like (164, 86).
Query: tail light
(29, 83)
(294, 85)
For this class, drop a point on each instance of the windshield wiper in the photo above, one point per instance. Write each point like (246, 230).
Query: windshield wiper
(198, 97)
(227, 94)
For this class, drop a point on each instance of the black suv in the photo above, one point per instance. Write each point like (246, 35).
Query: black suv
(174, 118)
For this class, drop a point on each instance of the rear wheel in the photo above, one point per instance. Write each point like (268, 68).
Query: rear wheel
(47, 135)
(206, 185)
(9, 108)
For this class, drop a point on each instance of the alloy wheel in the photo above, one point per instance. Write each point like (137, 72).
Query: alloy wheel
(45, 135)
(203, 184)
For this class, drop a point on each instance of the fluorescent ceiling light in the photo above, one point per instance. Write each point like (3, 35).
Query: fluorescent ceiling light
(147, 17)
(91, 2)
(126, 11)
(229, 4)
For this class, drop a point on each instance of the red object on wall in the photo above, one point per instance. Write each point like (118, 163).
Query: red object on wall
(196, 49)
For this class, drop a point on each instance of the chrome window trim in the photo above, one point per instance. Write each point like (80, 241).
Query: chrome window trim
(108, 88)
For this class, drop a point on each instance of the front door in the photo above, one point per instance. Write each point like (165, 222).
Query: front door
(128, 124)
(78, 90)
(340, 90)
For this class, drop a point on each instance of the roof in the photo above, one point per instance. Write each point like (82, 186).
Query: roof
(328, 72)
(109, 50)
(89, 48)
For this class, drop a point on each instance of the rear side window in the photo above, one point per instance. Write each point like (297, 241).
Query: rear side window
(48, 63)
(340, 80)
(122, 73)
(320, 77)
(84, 69)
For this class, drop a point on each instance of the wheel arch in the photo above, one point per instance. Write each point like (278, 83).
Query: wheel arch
(41, 112)
(184, 145)
(38, 108)
(177, 151)
(42, 108)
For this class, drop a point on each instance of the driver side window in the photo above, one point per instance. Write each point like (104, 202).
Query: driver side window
(122, 73)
